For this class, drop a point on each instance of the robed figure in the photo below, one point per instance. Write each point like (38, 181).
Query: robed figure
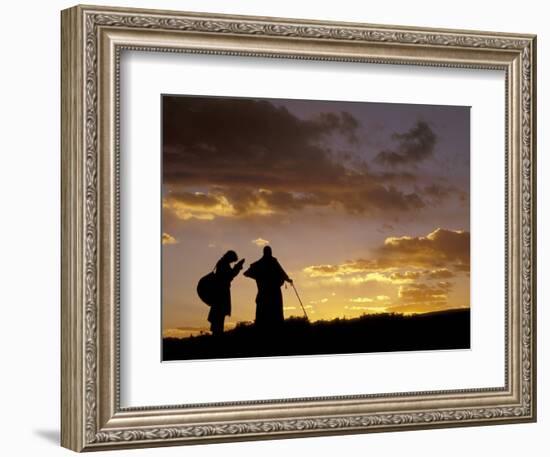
(269, 276)
(221, 305)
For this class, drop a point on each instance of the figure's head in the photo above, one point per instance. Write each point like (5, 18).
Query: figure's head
(267, 251)
(231, 256)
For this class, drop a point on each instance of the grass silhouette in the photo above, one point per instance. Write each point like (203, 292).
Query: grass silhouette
(297, 336)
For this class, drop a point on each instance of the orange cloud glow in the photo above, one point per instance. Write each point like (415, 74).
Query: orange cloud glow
(260, 242)
(425, 294)
(168, 239)
(416, 268)
(443, 249)
(440, 248)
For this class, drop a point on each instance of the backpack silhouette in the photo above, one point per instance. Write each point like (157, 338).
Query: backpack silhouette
(207, 288)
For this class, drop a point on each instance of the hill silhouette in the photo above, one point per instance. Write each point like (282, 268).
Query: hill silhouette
(368, 333)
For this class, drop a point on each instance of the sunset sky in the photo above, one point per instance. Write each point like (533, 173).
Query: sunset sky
(366, 205)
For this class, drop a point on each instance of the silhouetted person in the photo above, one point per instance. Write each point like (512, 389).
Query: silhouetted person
(269, 276)
(221, 305)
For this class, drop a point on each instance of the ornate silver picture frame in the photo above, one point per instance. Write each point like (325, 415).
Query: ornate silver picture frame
(93, 40)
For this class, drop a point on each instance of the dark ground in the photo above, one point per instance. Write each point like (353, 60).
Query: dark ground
(368, 333)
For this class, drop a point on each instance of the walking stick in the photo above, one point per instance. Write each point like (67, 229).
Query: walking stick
(299, 299)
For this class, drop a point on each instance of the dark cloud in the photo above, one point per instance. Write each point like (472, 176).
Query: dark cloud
(250, 156)
(413, 146)
(225, 141)
(195, 199)
(439, 192)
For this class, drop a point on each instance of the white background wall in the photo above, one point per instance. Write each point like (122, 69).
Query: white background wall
(29, 241)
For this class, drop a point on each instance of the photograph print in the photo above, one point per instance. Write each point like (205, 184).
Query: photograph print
(311, 227)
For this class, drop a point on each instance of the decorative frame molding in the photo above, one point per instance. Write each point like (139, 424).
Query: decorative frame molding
(92, 40)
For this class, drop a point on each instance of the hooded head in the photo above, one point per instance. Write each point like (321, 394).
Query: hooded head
(231, 256)
(267, 251)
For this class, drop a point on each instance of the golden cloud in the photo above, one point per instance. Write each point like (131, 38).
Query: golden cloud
(407, 276)
(404, 260)
(260, 242)
(168, 239)
(208, 206)
(353, 274)
(377, 298)
(361, 300)
(198, 205)
(420, 267)
(440, 273)
(413, 275)
(377, 277)
(367, 309)
(425, 294)
(358, 279)
(441, 248)
(347, 268)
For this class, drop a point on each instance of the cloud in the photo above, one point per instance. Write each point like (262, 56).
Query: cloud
(260, 242)
(438, 193)
(413, 146)
(322, 300)
(219, 164)
(205, 142)
(406, 276)
(419, 268)
(379, 298)
(367, 309)
(412, 298)
(441, 248)
(377, 277)
(338, 278)
(440, 273)
(416, 295)
(385, 228)
(404, 260)
(229, 202)
(168, 239)
(409, 276)
(361, 300)
(198, 205)
(425, 294)
(350, 267)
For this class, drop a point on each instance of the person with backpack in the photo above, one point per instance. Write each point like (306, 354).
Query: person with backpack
(220, 303)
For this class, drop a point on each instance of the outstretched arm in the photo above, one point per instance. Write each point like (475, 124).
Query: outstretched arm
(251, 271)
(237, 268)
